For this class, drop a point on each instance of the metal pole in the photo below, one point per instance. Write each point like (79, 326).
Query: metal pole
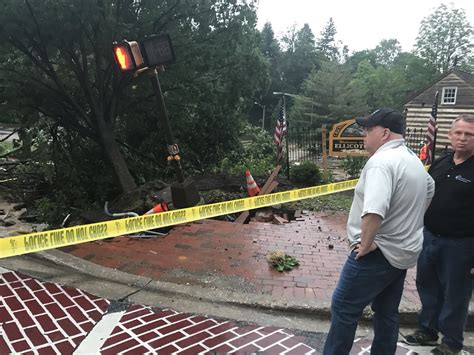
(436, 129)
(325, 160)
(287, 151)
(173, 149)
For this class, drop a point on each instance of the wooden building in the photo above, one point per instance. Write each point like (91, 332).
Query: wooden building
(456, 96)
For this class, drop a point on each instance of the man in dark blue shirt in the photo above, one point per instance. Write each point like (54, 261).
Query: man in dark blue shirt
(443, 277)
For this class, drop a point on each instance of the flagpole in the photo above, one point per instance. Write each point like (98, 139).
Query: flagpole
(436, 129)
(287, 150)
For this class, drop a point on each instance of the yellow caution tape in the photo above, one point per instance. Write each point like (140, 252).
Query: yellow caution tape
(29, 243)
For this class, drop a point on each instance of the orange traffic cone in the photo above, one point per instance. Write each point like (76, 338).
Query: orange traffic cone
(161, 207)
(252, 186)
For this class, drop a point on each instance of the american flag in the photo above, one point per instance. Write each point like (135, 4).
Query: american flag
(431, 133)
(280, 129)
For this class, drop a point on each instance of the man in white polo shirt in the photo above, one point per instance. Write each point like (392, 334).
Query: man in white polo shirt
(385, 234)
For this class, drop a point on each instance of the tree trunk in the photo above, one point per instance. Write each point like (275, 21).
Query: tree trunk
(115, 157)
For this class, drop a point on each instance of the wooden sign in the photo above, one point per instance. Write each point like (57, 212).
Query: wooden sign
(346, 139)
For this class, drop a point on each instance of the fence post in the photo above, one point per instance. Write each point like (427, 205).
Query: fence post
(287, 153)
(325, 161)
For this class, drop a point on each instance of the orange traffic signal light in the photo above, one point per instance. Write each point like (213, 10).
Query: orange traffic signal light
(123, 57)
(128, 55)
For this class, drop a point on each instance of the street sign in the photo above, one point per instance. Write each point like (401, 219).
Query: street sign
(347, 140)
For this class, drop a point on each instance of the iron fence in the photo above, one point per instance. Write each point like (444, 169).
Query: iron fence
(414, 138)
(304, 144)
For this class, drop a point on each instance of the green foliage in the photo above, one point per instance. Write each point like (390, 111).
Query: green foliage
(445, 38)
(332, 97)
(384, 86)
(353, 166)
(299, 58)
(62, 72)
(306, 173)
(281, 261)
(326, 44)
(51, 210)
(5, 147)
(387, 51)
(257, 154)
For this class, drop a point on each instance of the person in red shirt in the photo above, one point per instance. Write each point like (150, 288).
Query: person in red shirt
(423, 155)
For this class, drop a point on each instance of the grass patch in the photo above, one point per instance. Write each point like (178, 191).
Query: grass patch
(335, 202)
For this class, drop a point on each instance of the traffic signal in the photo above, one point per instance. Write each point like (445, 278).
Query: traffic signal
(157, 50)
(128, 55)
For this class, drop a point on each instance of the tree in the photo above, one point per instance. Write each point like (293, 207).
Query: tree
(327, 42)
(445, 38)
(385, 86)
(60, 75)
(387, 51)
(270, 48)
(329, 95)
(62, 70)
(360, 56)
(268, 43)
(417, 71)
(299, 58)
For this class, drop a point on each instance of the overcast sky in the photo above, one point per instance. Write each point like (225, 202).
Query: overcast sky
(360, 24)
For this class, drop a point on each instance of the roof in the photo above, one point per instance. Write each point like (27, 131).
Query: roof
(467, 77)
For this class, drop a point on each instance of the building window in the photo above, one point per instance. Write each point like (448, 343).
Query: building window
(449, 96)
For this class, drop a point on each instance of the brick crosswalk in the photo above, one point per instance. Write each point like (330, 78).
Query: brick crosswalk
(38, 317)
(44, 316)
(48, 318)
(143, 329)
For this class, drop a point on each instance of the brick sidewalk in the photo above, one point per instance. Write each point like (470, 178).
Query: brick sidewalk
(195, 253)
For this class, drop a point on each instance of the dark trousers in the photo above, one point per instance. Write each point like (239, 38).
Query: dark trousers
(371, 279)
(443, 281)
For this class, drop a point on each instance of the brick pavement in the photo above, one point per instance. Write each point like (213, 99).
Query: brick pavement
(38, 317)
(44, 316)
(192, 252)
(47, 318)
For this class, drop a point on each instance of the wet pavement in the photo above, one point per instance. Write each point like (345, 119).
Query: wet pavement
(233, 256)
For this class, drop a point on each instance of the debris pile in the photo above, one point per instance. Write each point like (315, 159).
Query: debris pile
(274, 215)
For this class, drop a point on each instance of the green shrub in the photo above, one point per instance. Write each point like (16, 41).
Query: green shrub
(305, 173)
(353, 166)
(52, 210)
(258, 154)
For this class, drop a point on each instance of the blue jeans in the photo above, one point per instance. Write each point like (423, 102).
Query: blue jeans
(443, 281)
(371, 279)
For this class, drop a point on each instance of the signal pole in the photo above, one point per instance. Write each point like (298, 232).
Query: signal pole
(173, 149)
(146, 57)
